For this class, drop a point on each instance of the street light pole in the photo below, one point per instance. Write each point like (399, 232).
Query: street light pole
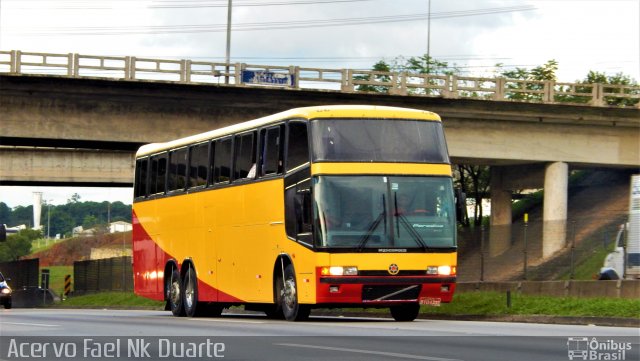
(49, 220)
(428, 34)
(228, 52)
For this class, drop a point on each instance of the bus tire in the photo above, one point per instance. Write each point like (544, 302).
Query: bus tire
(292, 310)
(404, 313)
(275, 311)
(190, 292)
(174, 294)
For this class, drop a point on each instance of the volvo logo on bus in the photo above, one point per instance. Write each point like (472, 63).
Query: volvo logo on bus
(393, 269)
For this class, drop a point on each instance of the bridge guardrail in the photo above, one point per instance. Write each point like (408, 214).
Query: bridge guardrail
(343, 80)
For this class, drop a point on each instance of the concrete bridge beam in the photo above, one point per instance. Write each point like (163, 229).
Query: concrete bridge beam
(65, 167)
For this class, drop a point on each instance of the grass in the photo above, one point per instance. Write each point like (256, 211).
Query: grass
(469, 303)
(495, 304)
(43, 244)
(56, 277)
(112, 299)
(588, 268)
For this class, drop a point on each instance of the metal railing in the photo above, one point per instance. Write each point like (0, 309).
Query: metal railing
(342, 80)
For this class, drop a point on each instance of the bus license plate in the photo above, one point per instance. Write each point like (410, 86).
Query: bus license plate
(430, 301)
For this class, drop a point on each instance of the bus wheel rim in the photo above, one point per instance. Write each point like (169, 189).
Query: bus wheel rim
(290, 293)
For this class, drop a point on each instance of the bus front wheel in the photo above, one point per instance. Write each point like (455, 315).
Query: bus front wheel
(292, 310)
(174, 294)
(408, 312)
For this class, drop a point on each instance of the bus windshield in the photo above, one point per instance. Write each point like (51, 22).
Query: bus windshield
(387, 214)
(378, 140)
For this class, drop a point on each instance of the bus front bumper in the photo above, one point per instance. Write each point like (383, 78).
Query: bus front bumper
(384, 290)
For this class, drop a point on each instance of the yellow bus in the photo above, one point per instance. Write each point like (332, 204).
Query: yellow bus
(316, 207)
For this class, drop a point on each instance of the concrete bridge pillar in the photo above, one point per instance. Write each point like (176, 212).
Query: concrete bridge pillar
(500, 235)
(554, 217)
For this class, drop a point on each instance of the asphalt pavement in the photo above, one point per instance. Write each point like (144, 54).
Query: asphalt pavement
(156, 335)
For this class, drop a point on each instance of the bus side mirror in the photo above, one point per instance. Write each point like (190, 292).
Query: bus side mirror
(3, 232)
(461, 204)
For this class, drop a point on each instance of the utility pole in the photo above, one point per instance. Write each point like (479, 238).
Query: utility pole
(228, 52)
(49, 220)
(428, 35)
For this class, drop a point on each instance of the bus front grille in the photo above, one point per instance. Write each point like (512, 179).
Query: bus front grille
(390, 293)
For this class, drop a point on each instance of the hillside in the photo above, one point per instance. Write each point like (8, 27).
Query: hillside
(79, 248)
(597, 206)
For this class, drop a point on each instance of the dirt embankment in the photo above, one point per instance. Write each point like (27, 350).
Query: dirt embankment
(79, 248)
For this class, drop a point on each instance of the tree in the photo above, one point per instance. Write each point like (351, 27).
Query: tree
(5, 214)
(425, 65)
(89, 221)
(380, 66)
(18, 245)
(475, 182)
(517, 90)
(594, 77)
(22, 215)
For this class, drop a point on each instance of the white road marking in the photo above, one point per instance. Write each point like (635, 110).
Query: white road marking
(390, 354)
(29, 324)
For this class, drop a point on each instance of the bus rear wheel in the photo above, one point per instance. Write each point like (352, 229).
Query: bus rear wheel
(292, 310)
(408, 312)
(174, 294)
(190, 293)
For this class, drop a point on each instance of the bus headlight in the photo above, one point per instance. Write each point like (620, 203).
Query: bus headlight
(444, 270)
(6, 291)
(441, 270)
(340, 271)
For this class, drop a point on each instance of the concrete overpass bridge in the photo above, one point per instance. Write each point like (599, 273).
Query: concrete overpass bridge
(75, 128)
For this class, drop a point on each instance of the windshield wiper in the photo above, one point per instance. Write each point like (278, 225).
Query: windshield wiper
(407, 225)
(416, 236)
(372, 227)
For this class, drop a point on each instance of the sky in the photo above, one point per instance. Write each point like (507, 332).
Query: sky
(474, 35)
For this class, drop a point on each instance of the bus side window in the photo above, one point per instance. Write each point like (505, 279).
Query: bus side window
(245, 157)
(198, 161)
(271, 148)
(158, 173)
(222, 161)
(298, 212)
(297, 145)
(141, 177)
(177, 169)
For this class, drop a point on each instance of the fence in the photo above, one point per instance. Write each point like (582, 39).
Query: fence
(344, 80)
(22, 273)
(109, 274)
(515, 252)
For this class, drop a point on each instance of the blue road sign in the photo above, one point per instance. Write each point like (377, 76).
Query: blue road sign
(262, 77)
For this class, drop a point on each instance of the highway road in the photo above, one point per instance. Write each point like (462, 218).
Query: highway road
(153, 335)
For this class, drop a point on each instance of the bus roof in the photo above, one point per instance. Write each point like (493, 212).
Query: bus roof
(327, 111)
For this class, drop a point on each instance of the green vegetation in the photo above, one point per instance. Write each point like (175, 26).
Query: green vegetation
(56, 277)
(111, 299)
(495, 304)
(42, 244)
(63, 218)
(18, 245)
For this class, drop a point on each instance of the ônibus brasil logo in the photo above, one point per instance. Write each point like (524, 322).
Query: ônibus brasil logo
(583, 348)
